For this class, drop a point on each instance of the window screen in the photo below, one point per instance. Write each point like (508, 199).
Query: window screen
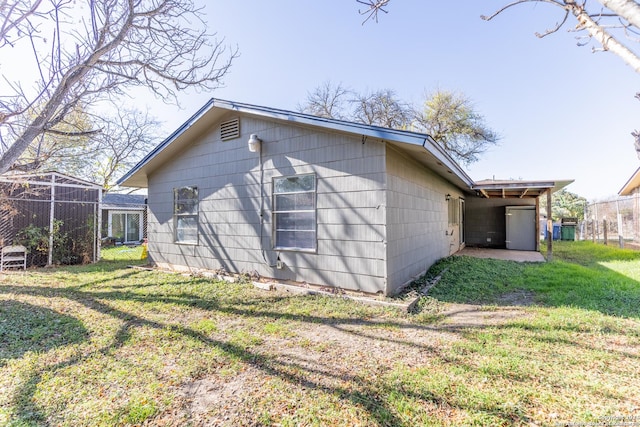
(294, 200)
(185, 211)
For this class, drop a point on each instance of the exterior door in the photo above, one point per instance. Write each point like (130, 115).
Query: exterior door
(125, 226)
(521, 228)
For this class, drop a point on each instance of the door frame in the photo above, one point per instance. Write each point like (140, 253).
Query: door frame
(126, 224)
(461, 223)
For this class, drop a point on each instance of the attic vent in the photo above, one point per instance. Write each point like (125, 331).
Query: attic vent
(230, 129)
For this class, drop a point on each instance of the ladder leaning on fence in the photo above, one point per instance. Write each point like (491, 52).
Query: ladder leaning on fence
(13, 257)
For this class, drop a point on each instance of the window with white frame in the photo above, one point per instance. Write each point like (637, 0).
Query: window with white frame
(185, 212)
(294, 201)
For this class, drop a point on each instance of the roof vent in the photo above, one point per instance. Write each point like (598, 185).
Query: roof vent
(230, 129)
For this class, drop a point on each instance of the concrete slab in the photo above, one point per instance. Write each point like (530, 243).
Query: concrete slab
(505, 254)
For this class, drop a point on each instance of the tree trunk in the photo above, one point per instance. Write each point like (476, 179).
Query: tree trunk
(607, 41)
(626, 9)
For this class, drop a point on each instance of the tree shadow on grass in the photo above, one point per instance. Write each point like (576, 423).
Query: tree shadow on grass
(371, 395)
(30, 328)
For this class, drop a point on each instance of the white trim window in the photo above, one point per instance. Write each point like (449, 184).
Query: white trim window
(126, 226)
(185, 213)
(294, 201)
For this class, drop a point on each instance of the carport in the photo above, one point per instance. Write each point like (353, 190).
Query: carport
(505, 213)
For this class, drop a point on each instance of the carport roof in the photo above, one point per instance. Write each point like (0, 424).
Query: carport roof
(517, 189)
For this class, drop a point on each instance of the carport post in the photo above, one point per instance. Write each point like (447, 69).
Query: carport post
(549, 228)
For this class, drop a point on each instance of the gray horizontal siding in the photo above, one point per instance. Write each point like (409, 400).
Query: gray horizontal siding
(351, 215)
(416, 217)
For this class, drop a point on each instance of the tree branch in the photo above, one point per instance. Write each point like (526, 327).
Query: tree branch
(375, 6)
(160, 44)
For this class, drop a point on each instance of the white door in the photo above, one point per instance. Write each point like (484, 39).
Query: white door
(125, 226)
(521, 228)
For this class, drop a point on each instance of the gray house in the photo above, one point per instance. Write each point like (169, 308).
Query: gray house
(631, 189)
(296, 197)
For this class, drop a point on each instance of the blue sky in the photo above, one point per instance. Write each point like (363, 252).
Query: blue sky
(563, 111)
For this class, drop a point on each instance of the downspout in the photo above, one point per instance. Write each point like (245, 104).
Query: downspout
(261, 213)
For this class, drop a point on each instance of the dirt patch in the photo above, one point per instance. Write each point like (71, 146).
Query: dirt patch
(469, 315)
(328, 356)
(458, 316)
(219, 399)
(518, 298)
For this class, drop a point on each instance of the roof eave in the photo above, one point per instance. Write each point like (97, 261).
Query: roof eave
(134, 178)
(542, 186)
(631, 184)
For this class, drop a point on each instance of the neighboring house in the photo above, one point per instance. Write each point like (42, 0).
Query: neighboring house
(632, 188)
(296, 197)
(124, 217)
(62, 210)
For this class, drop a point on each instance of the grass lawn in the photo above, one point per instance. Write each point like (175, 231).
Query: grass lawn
(495, 343)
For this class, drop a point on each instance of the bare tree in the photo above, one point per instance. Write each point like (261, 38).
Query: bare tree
(373, 7)
(613, 24)
(88, 50)
(452, 121)
(124, 140)
(118, 141)
(381, 108)
(450, 118)
(64, 148)
(327, 100)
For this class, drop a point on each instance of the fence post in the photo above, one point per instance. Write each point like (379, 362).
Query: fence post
(52, 217)
(620, 230)
(604, 226)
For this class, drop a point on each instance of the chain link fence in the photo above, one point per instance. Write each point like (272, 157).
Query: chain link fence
(55, 216)
(615, 221)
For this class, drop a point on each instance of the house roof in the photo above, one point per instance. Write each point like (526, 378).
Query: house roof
(491, 188)
(419, 146)
(123, 201)
(632, 184)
